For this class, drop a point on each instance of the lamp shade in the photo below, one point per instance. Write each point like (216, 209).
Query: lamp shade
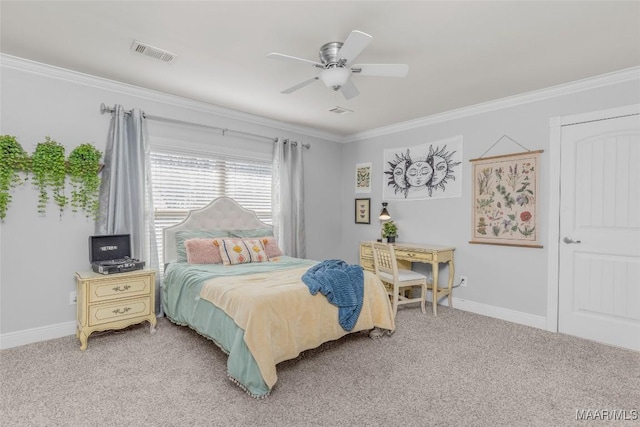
(335, 76)
(384, 214)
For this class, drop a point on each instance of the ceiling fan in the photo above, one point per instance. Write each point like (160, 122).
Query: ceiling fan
(336, 63)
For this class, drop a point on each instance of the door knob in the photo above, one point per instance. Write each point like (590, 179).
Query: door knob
(569, 240)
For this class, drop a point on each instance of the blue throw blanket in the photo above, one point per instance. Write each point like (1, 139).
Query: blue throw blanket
(342, 284)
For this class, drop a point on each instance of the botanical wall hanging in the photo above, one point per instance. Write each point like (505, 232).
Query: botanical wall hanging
(13, 162)
(427, 171)
(505, 195)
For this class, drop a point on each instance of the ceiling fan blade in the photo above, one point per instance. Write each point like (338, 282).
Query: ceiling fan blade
(300, 85)
(284, 57)
(381, 70)
(354, 45)
(349, 90)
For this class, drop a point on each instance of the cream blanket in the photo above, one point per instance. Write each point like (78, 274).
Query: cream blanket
(280, 318)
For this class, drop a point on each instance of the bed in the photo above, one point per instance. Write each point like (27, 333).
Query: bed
(259, 313)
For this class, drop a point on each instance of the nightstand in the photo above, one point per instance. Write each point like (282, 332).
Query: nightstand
(114, 301)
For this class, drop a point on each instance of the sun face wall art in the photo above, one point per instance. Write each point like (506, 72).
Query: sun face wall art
(427, 171)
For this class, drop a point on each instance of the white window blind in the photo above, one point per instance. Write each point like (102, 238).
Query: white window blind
(182, 182)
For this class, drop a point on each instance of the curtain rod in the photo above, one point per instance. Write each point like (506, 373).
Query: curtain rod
(104, 109)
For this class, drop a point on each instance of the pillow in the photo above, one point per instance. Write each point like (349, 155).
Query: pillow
(203, 251)
(249, 234)
(182, 236)
(271, 247)
(256, 250)
(242, 251)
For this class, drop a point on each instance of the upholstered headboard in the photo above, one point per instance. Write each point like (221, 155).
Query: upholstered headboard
(223, 213)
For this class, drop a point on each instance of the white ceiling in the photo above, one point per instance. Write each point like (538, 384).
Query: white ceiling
(460, 53)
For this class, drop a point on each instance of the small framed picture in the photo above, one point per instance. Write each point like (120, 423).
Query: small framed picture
(363, 211)
(363, 178)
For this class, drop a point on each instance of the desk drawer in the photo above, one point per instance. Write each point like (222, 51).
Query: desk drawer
(366, 251)
(120, 310)
(413, 255)
(367, 264)
(119, 287)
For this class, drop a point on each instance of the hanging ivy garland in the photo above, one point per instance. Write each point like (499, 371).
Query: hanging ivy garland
(48, 166)
(13, 160)
(49, 169)
(83, 168)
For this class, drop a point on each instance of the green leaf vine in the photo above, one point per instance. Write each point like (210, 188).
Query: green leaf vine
(83, 168)
(13, 160)
(49, 170)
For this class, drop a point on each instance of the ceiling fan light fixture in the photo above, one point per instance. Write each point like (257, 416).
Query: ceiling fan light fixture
(335, 77)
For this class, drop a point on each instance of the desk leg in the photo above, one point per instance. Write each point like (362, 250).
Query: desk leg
(434, 296)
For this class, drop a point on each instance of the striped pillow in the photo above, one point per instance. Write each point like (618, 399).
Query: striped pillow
(242, 251)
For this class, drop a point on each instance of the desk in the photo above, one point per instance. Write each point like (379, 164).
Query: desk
(408, 253)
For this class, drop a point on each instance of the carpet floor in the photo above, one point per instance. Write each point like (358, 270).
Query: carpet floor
(456, 369)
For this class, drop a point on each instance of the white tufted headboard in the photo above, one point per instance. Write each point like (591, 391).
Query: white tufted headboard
(223, 213)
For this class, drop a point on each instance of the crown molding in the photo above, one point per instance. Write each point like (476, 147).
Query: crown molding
(51, 71)
(608, 79)
(21, 64)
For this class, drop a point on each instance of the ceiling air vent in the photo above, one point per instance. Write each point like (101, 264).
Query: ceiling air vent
(340, 110)
(154, 52)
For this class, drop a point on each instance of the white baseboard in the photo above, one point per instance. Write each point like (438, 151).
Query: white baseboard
(44, 333)
(519, 317)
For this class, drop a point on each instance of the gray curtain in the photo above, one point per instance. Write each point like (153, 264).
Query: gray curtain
(288, 197)
(126, 204)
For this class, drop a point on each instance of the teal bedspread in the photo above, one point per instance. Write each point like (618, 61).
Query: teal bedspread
(182, 304)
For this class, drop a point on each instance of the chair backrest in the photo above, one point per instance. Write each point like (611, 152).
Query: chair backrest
(384, 260)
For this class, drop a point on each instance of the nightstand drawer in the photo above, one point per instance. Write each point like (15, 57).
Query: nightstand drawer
(413, 255)
(106, 290)
(120, 310)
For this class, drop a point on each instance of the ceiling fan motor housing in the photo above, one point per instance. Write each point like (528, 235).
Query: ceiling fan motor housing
(329, 54)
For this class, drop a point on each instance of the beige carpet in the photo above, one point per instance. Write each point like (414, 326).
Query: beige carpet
(458, 369)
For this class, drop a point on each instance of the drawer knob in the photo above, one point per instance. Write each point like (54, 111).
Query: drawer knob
(124, 288)
(123, 311)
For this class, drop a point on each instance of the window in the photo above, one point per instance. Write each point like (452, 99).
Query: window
(182, 182)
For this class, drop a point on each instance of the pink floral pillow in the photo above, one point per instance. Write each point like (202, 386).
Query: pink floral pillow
(241, 251)
(271, 247)
(203, 251)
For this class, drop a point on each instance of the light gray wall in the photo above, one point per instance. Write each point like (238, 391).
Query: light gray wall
(502, 276)
(39, 254)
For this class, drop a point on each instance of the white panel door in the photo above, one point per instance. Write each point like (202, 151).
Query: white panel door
(599, 289)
